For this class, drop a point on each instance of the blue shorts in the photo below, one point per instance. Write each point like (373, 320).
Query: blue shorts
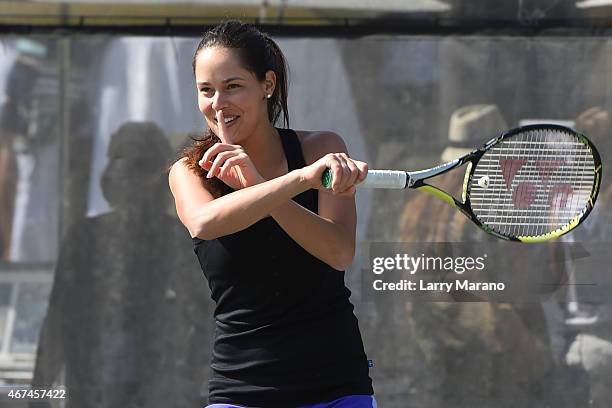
(350, 401)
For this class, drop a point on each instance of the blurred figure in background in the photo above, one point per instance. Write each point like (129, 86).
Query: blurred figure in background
(26, 132)
(124, 318)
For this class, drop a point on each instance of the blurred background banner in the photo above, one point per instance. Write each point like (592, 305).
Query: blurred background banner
(99, 287)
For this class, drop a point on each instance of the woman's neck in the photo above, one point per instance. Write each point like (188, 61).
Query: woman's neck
(265, 149)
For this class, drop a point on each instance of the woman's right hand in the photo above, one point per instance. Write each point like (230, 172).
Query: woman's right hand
(346, 172)
(230, 163)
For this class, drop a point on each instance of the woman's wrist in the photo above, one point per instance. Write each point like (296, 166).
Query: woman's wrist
(302, 179)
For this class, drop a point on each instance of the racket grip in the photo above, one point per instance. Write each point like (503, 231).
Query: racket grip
(375, 179)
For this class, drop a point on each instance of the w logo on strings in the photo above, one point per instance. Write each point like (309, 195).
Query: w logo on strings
(535, 177)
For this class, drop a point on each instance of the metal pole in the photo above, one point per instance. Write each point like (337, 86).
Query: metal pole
(63, 128)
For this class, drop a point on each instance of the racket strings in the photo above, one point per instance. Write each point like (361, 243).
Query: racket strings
(537, 181)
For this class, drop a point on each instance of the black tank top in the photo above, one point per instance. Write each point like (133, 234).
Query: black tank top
(285, 331)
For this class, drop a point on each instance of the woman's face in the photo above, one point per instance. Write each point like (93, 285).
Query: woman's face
(223, 84)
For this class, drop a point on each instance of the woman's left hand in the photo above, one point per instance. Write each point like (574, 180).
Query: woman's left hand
(346, 173)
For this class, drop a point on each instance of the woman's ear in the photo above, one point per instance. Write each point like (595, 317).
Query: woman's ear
(270, 82)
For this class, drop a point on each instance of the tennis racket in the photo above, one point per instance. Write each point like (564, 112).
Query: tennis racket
(530, 184)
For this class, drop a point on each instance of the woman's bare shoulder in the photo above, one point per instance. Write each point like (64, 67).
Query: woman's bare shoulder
(183, 171)
(316, 144)
(185, 166)
(182, 163)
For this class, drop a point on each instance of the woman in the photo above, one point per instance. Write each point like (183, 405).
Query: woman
(273, 244)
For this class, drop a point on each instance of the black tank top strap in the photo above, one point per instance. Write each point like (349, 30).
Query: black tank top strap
(292, 148)
(295, 160)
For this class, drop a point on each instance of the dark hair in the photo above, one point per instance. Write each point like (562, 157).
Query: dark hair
(259, 54)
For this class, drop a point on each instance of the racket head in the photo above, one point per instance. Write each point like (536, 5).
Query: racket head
(533, 183)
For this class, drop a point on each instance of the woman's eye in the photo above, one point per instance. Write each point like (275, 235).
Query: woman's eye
(206, 90)
(233, 86)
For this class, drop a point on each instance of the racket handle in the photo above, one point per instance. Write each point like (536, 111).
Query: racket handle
(375, 179)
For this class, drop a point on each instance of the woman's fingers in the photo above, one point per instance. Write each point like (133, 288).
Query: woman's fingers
(346, 172)
(353, 172)
(236, 160)
(333, 163)
(220, 160)
(216, 149)
(221, 125)
(363, 170)
(210, 153)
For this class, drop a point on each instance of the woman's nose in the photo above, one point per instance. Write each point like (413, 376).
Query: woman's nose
(218, 101)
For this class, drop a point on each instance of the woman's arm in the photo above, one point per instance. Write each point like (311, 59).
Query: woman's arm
(207, 218)
(330, 235)
(327, 239)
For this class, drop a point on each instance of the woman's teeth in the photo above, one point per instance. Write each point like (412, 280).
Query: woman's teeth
(228, 119)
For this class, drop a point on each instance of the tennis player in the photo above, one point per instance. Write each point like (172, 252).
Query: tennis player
(272, 243)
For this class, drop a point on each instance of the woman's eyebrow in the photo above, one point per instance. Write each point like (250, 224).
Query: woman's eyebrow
(224, 81)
